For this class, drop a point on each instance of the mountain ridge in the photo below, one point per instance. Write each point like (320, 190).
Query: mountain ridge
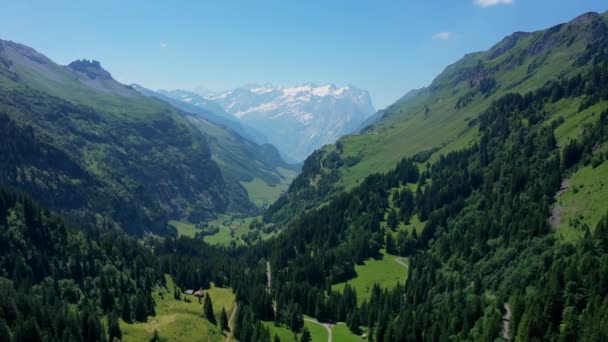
(441, 116)
(298, 119)
(141, 161)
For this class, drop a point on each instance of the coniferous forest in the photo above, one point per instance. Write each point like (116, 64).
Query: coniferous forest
(485, 260)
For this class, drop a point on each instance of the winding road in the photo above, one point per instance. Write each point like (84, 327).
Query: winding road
(327, 327)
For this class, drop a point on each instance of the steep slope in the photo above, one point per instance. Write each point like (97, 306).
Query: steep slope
(298, 120)
(476, 225)
(104, 153)
(259, 168)
(443, 116)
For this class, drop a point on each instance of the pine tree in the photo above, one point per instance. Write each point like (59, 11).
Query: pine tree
(208, 310)
(125, 310)
(354, 322)
(5, 333)
(141, 312)
(113, 327)
(296, 319)
(392, 221)
(224, 320)
(305, 335)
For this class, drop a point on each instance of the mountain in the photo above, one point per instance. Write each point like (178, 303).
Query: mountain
(192, 103)
(99, 152)
(298, 120)
(259, 168)
(444, 116)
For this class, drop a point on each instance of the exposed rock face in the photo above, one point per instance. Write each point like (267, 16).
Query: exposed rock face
(91, 68)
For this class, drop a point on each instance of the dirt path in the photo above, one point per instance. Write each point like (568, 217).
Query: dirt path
(557, 210)
(327, 327)
(506, 322)
(400, 261)
(231, 323)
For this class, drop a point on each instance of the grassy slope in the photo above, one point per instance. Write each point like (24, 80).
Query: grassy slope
(226, 224)
(259, 169)
(341, 333)
(430, 119)
(585, 202)
(317, 332)
(178, 320)
(129, 133)
(385, 272)
(408, 129)
(262, 193)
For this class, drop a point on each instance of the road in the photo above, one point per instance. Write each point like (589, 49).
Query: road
(231, 323)
(400, 261)
(327, 327)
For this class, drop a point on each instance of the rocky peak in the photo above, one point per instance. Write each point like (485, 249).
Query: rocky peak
(90, 68)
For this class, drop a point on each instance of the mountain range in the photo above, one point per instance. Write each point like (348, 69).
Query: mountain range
(473, 209)
(103, 150)
(297, 120)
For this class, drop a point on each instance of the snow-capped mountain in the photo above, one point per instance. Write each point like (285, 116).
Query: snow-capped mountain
(300, 119)
(195, 99)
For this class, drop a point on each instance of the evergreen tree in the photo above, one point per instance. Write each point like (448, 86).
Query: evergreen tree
(305, 335)
(296, 319)
(354, 322)
(392, 220)
(114, 331)
(224, 320)
(141, 312)
(125, 311)
(5, 333)
(208, 310)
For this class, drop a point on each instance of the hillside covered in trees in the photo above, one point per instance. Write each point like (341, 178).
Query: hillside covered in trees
(479, 222)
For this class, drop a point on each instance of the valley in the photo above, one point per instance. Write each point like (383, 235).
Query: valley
(472, 209)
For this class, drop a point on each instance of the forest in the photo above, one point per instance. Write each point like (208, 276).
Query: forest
(485, 260)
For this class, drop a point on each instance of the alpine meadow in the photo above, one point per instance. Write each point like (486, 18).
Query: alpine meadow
(288, 204)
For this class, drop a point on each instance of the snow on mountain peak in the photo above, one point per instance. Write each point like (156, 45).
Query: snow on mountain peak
(298, 119)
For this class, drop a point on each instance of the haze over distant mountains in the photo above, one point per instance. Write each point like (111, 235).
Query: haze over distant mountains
(297, 120)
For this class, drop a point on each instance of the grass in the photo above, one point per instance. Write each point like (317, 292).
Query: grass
(184, 228)
(317, 332)
(282, 332)
(226, 224)
(408, 127)
(263, 194)
(385, 272)
(341, 333)
(585, 202)
(180, 321)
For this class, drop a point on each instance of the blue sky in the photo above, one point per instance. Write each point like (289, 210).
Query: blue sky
(386, 47)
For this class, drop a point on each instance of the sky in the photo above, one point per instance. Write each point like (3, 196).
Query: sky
(385, 47)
